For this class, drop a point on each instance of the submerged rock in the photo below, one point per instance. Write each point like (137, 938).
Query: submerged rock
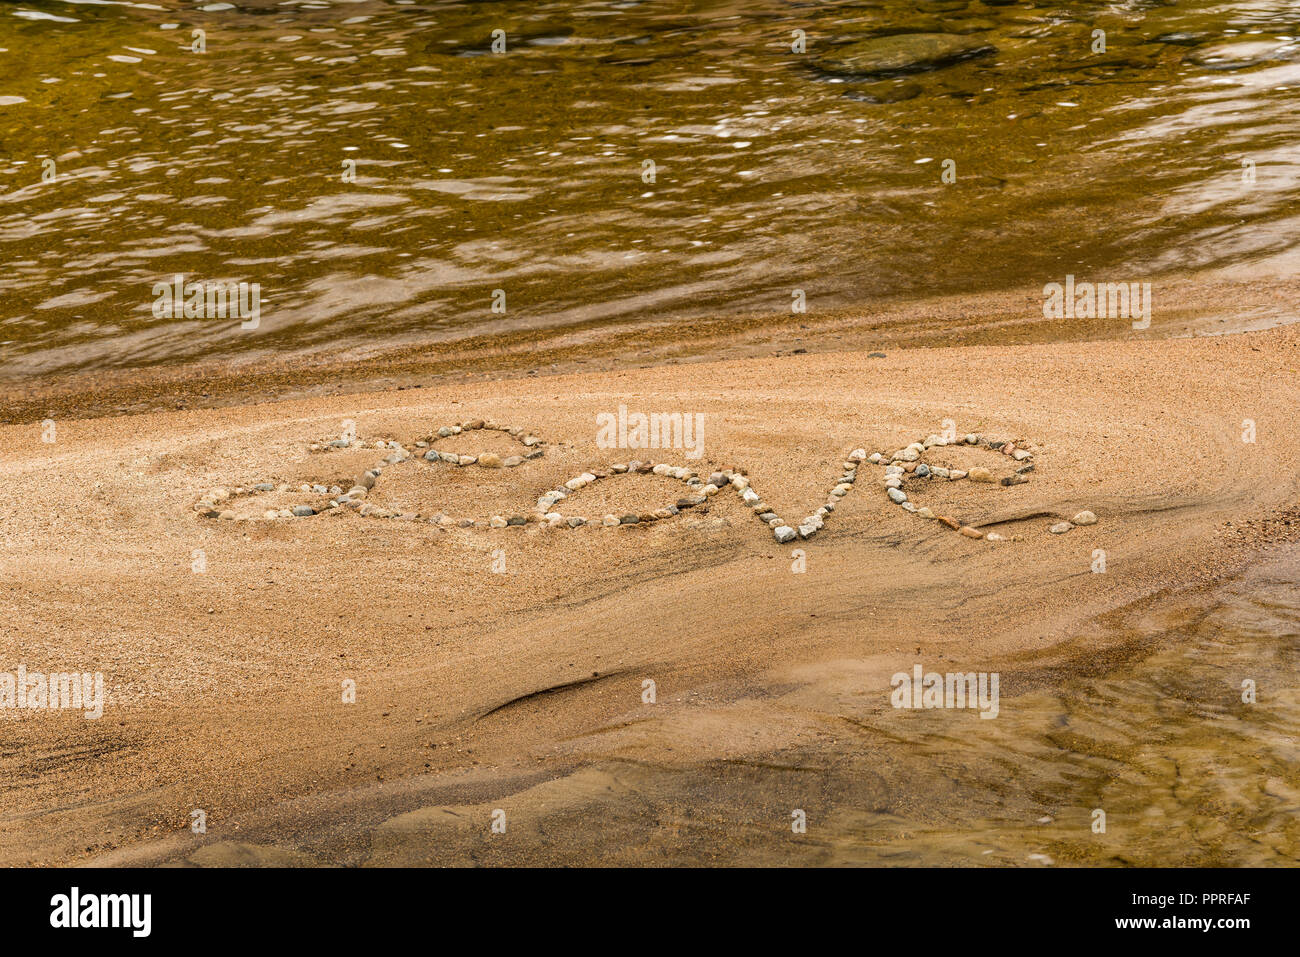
(904, 53)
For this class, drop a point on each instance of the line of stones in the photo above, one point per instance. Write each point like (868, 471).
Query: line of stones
(208, 506)
(702, 492)
(906, 461)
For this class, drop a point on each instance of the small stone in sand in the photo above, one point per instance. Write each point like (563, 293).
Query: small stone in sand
(980, 474)
(971, 532)
(1060, 528)
(784, 533)
(1084, 518)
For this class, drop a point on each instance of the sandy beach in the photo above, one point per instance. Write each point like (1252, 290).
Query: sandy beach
(505, 669)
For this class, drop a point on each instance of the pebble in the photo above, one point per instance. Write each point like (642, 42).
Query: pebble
(897, 496)
(1084, 518)
(875, 458)
(784, 533)
(857, 455)
(609, 520)
(1060, 528)
(490, 460)
(994, 537)
(1016, 479)
(925, 512)
(513, 461)
(496, 521)
(466, 460)
(628, 520)
(980, 474)
(971, 532)
(908, 454)
(922, 470)
(302, 511)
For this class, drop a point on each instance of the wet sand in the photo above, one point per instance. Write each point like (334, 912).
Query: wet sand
(522, 690)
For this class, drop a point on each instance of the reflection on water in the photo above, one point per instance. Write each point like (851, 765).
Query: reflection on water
(524, 171)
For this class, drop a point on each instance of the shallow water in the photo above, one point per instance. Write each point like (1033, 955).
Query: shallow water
(1185, 771)
(523, 171)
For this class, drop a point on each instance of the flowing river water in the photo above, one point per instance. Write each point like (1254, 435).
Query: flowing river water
(126, 157)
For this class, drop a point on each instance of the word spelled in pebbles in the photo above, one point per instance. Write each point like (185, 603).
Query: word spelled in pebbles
(901, 467)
